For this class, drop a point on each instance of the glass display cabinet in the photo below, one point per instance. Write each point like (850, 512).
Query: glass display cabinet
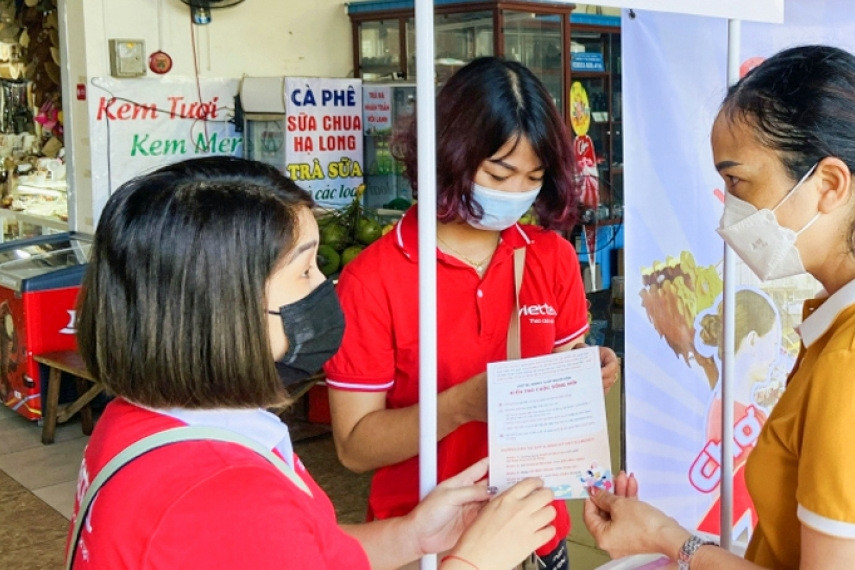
(559, 46)
(568, 51)
(534, 33)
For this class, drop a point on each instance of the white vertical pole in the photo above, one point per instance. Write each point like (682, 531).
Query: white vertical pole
(426, 123)
(70, 118)
(729, 299)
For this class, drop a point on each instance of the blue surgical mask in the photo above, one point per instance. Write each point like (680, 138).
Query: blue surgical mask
(501, 209)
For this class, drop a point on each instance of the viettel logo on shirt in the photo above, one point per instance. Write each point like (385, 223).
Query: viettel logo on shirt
(544, 313)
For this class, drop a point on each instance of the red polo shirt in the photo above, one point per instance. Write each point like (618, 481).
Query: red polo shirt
(204, 504)
(380, 350)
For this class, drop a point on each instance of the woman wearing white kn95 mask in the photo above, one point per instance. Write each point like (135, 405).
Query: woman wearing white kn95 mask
(784, 143)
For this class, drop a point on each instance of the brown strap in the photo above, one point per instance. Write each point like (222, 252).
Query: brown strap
(514, 327)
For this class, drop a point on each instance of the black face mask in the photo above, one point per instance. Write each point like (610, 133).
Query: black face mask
(314, 327)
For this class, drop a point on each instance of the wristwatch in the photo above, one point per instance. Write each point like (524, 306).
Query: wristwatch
(692, 544)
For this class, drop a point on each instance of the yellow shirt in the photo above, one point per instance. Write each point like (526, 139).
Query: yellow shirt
(803, 468)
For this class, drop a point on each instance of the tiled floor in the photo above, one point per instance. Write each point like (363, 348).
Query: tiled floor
(37, 484)
(48, 471)
(36, 491)
(32, 534)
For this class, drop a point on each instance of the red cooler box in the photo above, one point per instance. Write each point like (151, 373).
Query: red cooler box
(39, 282)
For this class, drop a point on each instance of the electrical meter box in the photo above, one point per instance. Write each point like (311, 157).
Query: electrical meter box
(127, 58)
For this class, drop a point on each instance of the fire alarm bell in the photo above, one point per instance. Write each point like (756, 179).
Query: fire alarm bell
(127, 58)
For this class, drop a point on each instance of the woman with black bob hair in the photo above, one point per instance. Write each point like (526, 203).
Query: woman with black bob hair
(202, 275)
(502, 149)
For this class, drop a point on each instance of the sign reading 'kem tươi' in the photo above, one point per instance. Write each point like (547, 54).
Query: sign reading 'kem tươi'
(138, 125)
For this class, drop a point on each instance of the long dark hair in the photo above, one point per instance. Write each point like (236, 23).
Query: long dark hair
(485, 104)
(172, 308)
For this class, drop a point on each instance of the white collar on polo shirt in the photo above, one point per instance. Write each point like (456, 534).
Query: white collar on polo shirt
(821, 319)
(257, 424)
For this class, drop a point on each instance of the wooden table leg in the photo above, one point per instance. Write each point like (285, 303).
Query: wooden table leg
(51, 406)
(86, 411)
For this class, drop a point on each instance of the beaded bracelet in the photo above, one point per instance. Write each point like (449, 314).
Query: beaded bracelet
(455, 557)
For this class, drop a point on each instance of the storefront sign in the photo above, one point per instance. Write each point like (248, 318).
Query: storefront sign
(138, 125)
(377, 109)
(323, 137)
(587, 61)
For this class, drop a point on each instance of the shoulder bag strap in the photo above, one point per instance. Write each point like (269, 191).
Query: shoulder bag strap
(160, 439)
(514, 327)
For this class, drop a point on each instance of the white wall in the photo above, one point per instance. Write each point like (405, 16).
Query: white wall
(256, 37)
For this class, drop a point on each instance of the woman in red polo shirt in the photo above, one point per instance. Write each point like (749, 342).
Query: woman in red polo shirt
(202, 275)
(501, 148)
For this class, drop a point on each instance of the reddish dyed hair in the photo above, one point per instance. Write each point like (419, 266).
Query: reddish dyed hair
(484, 105)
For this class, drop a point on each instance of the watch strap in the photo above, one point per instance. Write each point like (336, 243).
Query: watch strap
(687, 551)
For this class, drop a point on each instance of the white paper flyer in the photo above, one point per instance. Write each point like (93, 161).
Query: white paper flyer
(547, 419)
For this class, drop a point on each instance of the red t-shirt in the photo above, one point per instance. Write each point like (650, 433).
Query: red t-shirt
(201, 505)
(379, 294)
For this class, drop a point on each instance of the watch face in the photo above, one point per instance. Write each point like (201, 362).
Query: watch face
(160, 62)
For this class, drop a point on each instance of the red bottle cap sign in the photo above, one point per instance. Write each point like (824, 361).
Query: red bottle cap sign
(160, 62)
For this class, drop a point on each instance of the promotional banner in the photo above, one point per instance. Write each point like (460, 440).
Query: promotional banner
(323, 139)
(675, 77)
(138, 125)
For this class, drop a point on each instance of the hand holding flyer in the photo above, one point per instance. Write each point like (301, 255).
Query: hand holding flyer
(547, 419)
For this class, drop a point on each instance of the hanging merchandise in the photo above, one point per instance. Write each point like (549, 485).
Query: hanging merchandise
(29, 16)
(580, 110)
(586, 168)
(8, 11)
(15, 116)
(38, 41)
(11, 66)
(48, 115)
